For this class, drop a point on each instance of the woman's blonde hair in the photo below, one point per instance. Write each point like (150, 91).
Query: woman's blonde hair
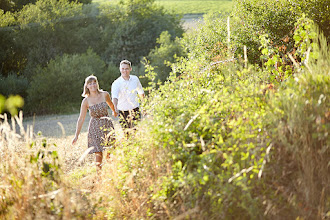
(89, 79)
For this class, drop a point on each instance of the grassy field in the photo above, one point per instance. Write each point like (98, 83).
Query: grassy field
(196, 7)
(189, 7)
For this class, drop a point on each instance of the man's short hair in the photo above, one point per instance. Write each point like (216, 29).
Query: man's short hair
(126, 62)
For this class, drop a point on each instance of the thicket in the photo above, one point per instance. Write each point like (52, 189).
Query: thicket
(164, 55)
(277, 20)
(235, 138)
(250, 20)
(227, 142)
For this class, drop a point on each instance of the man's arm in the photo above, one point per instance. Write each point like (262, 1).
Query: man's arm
(140, 89)
(114, 94)
(115, 103)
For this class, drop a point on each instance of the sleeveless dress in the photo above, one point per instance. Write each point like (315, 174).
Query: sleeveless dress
(100, 129)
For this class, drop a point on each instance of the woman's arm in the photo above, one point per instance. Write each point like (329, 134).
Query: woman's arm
(111, 105)
(81, 119)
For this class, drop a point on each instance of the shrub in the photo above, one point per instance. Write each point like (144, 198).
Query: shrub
(110, 74)
(277, 20)
(212, 125)
(58, 86)
(162, 56)
(234, 143)
(14, 84)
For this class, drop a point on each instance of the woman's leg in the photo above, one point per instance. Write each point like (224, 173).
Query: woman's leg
(98, 157)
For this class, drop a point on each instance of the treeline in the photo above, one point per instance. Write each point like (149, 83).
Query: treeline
(49, 47)
(17, 5)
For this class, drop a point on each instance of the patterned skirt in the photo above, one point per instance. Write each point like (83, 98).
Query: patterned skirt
(101, 134)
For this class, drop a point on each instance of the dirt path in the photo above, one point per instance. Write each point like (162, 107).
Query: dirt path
(60, 130)
(57, 126)
(191, 22)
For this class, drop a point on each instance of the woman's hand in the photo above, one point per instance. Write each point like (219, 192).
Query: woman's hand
(74, 140)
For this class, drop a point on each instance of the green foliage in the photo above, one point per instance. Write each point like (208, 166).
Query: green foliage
(164, 55)
(43, 31)
(110, 74)
(232, 139)
(14, 5)
(46, 11)
(38, 36)
(280, 64)
(11, 104)
(301, 113)
(305, 38)
(208, 42)
(211, 122)
(60, 83)
(277, 20)
(50, 28)
(17, 5)
(141, 22)
(13, 84)
(47, 163)
(319, 12)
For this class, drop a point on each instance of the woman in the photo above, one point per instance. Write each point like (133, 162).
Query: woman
(100, 129)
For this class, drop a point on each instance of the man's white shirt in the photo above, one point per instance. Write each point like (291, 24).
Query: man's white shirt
(126, 91)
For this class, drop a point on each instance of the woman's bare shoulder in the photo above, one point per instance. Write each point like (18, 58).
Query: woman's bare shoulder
(84, 102)
(104, 93)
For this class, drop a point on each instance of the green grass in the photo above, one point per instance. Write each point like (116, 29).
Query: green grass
(196, 6)
(189, 6)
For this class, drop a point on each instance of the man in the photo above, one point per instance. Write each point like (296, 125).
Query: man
(125, 92)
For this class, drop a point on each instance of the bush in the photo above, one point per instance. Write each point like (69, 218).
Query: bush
(108, 76)
(162, 56)
(277, 20)
(14, 85)
(235, 146)
(212, 126)
(58, 86)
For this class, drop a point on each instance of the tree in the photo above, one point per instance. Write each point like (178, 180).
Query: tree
(17, 5)
(164, 54)
(138, 27)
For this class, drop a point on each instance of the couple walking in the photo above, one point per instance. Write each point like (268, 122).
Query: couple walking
(124, 91)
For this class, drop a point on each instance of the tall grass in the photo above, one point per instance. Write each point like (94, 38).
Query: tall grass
(46, 178)
(301, 113)
(32, 185)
